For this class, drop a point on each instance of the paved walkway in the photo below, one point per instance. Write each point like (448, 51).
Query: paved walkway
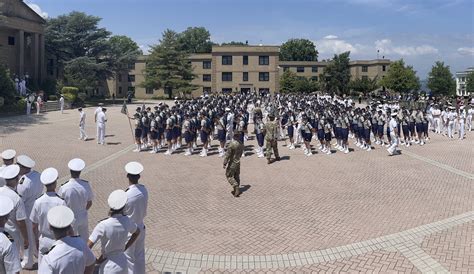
(364, 211)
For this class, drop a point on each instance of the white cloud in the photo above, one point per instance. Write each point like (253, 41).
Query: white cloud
(145, 49)
(332, 44)
(386, 47)
(38, 10)
(466, 51)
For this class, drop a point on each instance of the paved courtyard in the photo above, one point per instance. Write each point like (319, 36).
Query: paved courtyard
(360, 212)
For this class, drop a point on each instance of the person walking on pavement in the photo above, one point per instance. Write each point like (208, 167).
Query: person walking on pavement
(82, 125)
(101, 120)
(232, 162)
(271, 137)
(61, 104)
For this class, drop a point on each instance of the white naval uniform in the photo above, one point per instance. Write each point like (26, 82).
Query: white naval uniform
(17, 214)
(136, 207)
(68, 255)
(82, 126)
(470, 113)
(29, 188)
(451, 119)
(61, 104)
(76, 193)
(461, 121)
(113, 234)
(9, 254)
(39, 215)
(393, 125)
(101, 119)
(96, 112)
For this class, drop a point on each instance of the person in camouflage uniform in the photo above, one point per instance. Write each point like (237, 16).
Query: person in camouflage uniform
(232, 163)
(271, 137)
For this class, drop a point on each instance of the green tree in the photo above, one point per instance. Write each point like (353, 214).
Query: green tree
(401, 78)
(234, 43)
(85, 73)
(470, 82)
(336, 75)
(195, 40)
(440, 80)
(7, 86)
(364, 85)
(168, 67)
(123, 52)
(298, 50)
(287, 81)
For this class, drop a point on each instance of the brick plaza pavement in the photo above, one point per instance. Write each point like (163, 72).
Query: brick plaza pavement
(364, 211)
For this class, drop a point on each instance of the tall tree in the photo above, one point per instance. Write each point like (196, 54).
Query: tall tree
(168, 67)
(364, 85)
(234, 43)
(7, 86)
(336, 75)
(298, 50)
(401, 78)
(440, 80)
(195, 40)
(470, 82)
(123, 52)
(287, 81)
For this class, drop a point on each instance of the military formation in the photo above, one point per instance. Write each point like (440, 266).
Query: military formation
(41, 222)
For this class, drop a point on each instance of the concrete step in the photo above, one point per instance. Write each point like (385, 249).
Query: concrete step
(54, 106)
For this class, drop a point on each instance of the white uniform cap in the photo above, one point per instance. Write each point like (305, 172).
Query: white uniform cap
(227, 109)
(461, 107)
(25, 161)
(117, 199)
(76, 164)
(394, 114)
(10, 172)
(60, 216)
(6, 205)
(49, 176)
(134, 168)
(8, 154)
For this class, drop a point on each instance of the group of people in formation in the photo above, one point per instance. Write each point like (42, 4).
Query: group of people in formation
(40, 220)
(330, 120)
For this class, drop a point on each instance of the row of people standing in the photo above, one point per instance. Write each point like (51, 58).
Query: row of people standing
(53, 225)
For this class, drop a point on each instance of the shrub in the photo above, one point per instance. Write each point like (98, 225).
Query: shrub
(49, 86)
(7, 86)
(52, 98)
(70, 93)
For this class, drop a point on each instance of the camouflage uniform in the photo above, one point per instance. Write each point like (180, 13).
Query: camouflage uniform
(271, 137)
(232, 161)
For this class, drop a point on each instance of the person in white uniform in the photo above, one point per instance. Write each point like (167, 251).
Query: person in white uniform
(61, 104)
(78, 196)
(82, 125)
(9, 254)
(29, 188)
(8, 158)
(470, 113)
(135, 209)
(39, 103)
(96, 112)
(461, 122)
(393, 125)
(116, 234)
(43, 235)
(101, 120)
(452, 116)
(68, 254)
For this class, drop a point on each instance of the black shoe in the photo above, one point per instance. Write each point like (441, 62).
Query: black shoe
(236, 191)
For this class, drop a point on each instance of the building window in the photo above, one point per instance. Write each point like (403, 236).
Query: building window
(227, 76)
(365, 68)
(206, 89)
(299, 69)
(206, 78)
(314, 78)
(149, 91)
(227, 90)
(263, 60)
(206, 64)
(245, 76)
(131, 66)
(11, 40)
(365, 78)
(131, 78)
(264, 76)
(245, 60)
(384, 68)
(119, 77)
(314, 69)
(120, 90)
(227, 60)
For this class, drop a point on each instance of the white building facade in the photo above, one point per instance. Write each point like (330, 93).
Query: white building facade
(461, 80)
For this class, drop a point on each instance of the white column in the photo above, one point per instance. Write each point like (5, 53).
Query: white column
(21, 55)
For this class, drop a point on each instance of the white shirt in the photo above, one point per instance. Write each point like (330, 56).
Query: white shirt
(30, 188)
(68, 255)
(9, 255)
(18, 212)
(137, 203)
(61, 100)
(76, 197)
(392, 125)
(40, 210)
(113, 234)
(97, 110)
(101, 118)
(82, 119)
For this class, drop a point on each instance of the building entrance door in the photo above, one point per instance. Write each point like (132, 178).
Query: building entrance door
(244, 91)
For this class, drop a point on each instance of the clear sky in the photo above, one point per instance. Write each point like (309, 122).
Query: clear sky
(419, 31)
